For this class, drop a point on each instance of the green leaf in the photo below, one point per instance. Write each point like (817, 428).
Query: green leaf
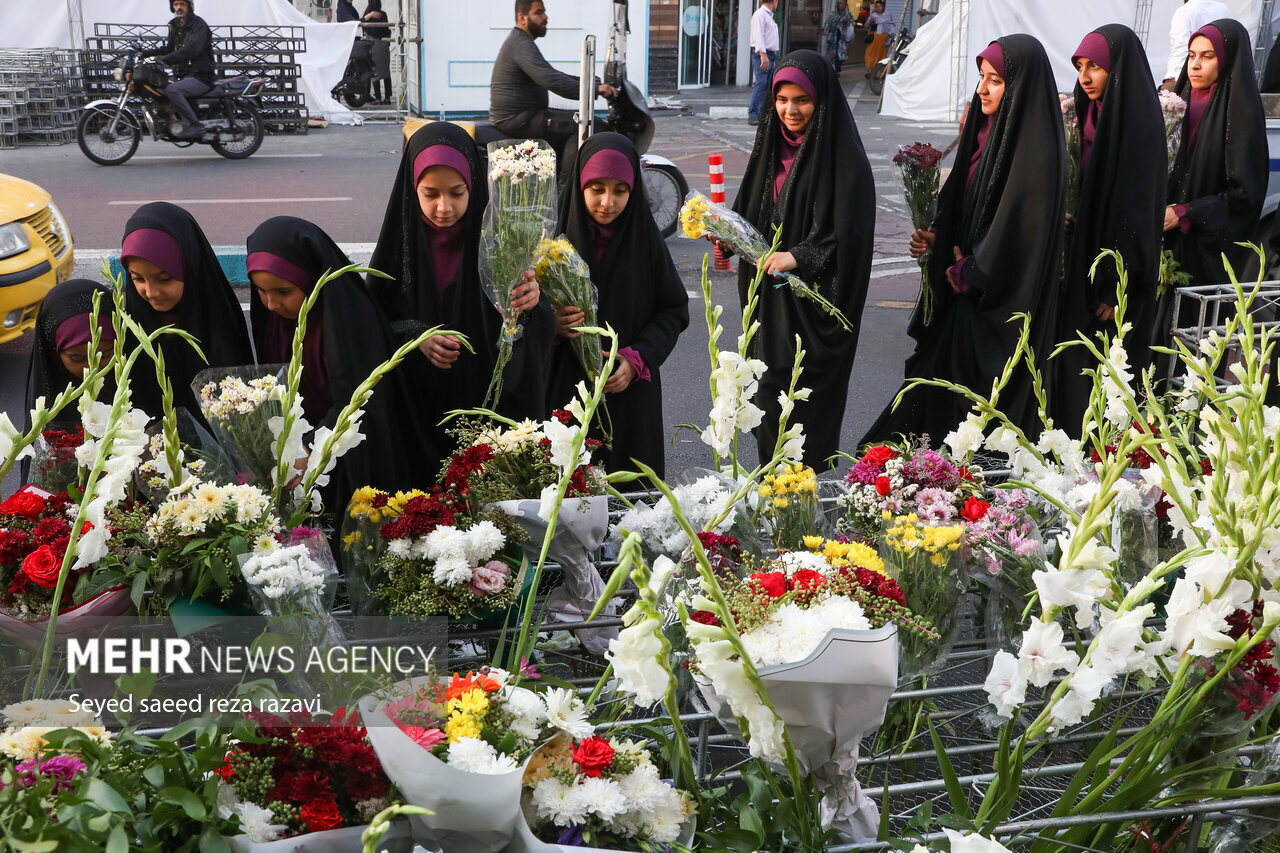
(138, 589)
(155, 774)
(749, 821)
(107, 797)
(211, 841)
(237, 545)
(218, 567)
(955, 791)
(118, 842)
(187, 801)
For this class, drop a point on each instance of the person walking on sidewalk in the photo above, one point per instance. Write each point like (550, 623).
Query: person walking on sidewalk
(836, 32)
(764, 44)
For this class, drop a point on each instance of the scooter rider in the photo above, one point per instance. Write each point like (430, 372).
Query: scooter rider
(189, 49)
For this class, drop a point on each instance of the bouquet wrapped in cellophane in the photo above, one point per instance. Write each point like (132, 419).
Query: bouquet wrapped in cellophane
(918, 169)
(239, 403)
(566, 279)
(700, 216)
(522, 191)
(1173, 109)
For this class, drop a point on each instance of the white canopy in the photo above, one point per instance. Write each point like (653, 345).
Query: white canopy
(328, 45)
(940, 75)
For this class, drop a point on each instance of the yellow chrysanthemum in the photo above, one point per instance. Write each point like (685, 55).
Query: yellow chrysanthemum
(461, 725)
(693, 218)
(766, 491)
(781, 503)
(813, 543)
(351, 539)
(473, 702)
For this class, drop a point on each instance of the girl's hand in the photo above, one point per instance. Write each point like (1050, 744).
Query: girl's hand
(567, 318)
(921, 242)
(725, 251)
(525, 295)
(300, 465)
(1105, 312)
(623, 375)
(441, 350)
(1171, 219)
(780, 262)
(953, 272)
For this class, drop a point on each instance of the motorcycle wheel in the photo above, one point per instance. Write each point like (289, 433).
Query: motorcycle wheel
(665, 189)
(106, 150)
(356, 96)
(876, 83)
(243, 114)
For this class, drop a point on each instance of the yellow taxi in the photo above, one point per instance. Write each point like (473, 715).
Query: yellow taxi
(35, 253)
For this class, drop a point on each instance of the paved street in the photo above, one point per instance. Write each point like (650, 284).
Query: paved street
(339, 177)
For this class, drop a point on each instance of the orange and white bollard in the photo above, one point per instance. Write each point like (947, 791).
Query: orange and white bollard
(716, 163)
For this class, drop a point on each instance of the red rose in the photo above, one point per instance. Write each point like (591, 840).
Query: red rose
(974, 509)
(25, 503)
(807, 580)
(773, 584)
(43, 566)
(704, 617)
(883, 486)
(880, 454)
(593, 755)
(320, 815)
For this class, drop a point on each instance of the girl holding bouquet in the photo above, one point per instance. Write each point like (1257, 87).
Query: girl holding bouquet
(1122, 187)
(175, 280)
(430, 246)
(346, 338)
(996, 246)
(809, 175)
(602, 211)
(1219, 177)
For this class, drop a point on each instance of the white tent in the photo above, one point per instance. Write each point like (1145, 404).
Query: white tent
(328, 45)
(939, 77)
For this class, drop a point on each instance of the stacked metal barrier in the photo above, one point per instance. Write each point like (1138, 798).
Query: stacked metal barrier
(41, 91)
(1205, 309)
(268, 52)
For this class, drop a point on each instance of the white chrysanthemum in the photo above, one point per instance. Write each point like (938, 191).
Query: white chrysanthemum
(603, 797)
(446, 541)
(794, 561)
(402, 548)
(472, 755)
(645, 792)
(210, 500)
(529, 714)
(483, 541)
(664, 825)
(559, 803)
(567, 713)
(793, 633)
(256, 823)
(451, 571)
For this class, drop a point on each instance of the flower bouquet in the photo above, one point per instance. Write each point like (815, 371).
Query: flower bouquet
(896, 479)
(55, 467)
(821, 629)
(522, 178)
(34, 536)
(566, 279)
(1173, 108)
(239, 403)
(702, 500)
(363, 546)
(789, 506)
(27, 723)
(516, 471)
(918, 555)
(458, 746)
(454, 568)
(1071, 128)
(700, 216)
(309, 784)
(1004, 551)
(918, 170)
(601, 793)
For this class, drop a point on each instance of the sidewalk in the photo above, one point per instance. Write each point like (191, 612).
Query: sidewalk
(731, 102)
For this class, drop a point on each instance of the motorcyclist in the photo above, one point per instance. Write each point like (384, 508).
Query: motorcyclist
(189, 49)
(521, 77)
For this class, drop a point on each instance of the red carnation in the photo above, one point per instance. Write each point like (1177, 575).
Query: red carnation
(772, 584)
(562, 416)
(704, 617)
(593, 755)
(25, 503)
(379, 500)
(807, 580)
(43, 566)
(883, 486)
(975, 509)
(880, 454)
(318, 816)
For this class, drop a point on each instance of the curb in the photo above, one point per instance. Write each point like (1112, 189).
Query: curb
(230, 258)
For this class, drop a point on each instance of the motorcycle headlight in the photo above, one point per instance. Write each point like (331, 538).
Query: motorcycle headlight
(13, 240)
(118, 74)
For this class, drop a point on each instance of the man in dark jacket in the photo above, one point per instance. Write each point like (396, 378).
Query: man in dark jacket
(189, 49)
(521, 77)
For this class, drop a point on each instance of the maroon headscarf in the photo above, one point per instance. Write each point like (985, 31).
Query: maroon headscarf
(77, 330)
(446, 243)
(1200, 97)
(1094, 48)
(995, 55)
(158, 247)
(790, 141)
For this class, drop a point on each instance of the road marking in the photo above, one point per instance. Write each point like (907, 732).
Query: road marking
(879, 262)
(189, 157)
(349, 249)
(234, 200)
(895, 304)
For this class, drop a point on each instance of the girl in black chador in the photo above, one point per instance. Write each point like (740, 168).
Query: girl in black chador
(809, 173)
(604, 214)
(174, 279)
(996, 247)
(430, 246)
(1122, 187)
(346, 339)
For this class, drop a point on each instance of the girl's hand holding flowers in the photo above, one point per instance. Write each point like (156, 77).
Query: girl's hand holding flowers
(780, 262)
(921, 242)
(568, 318)
(525, 295)
(623, 375)
(441, 350)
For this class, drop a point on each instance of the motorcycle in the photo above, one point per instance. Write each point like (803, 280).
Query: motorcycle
(896, 55)
(109, 131)
(354, 85)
